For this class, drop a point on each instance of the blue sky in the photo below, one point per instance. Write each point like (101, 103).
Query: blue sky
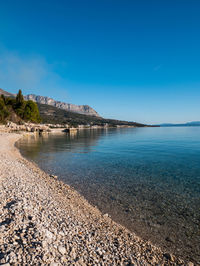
(132, 60)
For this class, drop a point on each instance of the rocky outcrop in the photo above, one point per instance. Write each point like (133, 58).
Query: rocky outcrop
(36, 128)
(28, 127)
(81, 109)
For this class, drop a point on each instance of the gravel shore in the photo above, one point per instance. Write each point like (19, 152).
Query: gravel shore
(45, 222)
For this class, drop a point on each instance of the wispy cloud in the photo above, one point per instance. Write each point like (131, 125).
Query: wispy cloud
(33, 74)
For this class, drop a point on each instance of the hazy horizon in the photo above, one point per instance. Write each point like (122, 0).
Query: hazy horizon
(135, 61)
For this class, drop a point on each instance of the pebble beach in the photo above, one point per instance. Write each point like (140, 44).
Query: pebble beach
(46, 222)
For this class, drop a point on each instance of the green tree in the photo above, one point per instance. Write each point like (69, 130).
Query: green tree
(4, 113)
(31, 112)
(27, 110)
(19, 104)
(19, 98)
(3, 98)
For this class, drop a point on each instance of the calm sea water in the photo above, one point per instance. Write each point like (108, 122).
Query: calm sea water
(147, 179)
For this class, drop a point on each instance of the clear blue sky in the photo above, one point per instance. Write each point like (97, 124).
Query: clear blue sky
(133, 60)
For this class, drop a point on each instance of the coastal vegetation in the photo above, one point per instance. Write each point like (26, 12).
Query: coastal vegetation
(16, 109)
(54, 115)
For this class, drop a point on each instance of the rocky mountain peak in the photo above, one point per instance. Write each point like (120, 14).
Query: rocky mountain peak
(81, 109)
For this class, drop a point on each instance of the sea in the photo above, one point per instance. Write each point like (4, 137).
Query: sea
(147, 179)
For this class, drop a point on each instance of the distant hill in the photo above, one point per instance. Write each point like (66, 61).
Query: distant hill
(188, 124)
(80, 109)
(54, 115)
(194, 123)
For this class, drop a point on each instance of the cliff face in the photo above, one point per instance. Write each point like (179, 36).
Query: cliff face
(81, 109)
(7, 94)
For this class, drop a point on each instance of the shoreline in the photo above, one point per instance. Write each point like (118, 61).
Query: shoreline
(47, 222)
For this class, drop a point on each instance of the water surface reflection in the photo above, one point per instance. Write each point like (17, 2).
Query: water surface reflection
(147, 179)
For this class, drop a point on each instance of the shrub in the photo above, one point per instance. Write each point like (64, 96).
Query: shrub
(4, 113)
(31, 112)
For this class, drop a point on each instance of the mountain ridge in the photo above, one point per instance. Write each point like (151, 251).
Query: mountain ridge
(80, 109)
(53, 115)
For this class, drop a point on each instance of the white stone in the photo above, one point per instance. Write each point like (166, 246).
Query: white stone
(62, 250)
(53, 263)
(49, 234)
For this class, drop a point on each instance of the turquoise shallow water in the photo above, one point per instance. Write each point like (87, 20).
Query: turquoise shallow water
(147, 179)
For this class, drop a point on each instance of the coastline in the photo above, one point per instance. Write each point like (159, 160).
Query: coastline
(46, 222)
